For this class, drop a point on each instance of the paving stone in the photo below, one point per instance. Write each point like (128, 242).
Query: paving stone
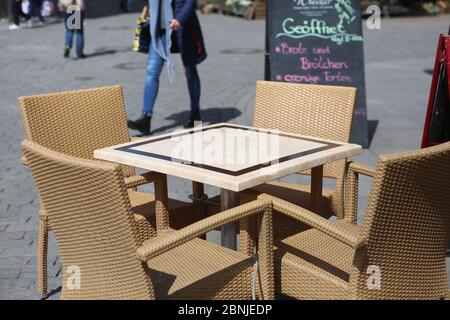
(9, 273)
(11, 262)
(28, 251)
(9, 236)
(17, 227)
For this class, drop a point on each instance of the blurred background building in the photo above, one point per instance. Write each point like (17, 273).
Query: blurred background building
(253, 9)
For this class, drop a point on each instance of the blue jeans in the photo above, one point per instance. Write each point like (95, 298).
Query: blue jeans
(79, 34)
(154, 67)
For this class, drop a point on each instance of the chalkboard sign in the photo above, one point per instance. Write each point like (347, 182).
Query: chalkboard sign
(437, 123)
(319, 42)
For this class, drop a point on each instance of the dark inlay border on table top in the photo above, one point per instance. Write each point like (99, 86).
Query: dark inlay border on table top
(129, 149)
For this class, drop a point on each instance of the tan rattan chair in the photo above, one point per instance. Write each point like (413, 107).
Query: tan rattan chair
(398, 253)
(101, 251)
(77, 123)
(312, 110)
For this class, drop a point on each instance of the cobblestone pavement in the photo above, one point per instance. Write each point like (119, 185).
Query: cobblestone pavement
(397, 58)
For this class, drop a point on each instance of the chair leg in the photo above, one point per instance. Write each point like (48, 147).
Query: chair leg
(42, 279)
(198, 194)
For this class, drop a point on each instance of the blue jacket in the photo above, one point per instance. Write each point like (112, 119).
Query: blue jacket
(188, 40)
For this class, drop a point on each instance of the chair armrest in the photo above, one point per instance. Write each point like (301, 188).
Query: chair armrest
(354, 169)
(154, 247)
(24, 161)
(170, 240)
(130, 182)
(349, 235)
(139, 180)
(362, 168)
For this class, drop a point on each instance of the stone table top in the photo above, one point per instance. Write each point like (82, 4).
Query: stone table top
(228, 156)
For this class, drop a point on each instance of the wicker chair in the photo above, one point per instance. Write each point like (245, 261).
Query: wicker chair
(101, 251)
(398, 253)
(312, 110)
(77, 123)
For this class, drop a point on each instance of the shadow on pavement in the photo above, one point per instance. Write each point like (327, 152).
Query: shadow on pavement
(104, 51)
(372, 128)
(53, 292)
(100, 53)
(210, 116)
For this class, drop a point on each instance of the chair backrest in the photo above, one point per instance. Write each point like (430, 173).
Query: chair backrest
(77, 122)
(407, 225)
(90, 215)
(313, 110)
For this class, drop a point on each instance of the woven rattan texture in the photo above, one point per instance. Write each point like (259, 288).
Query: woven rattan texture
(305, 261)
(404, 237)
(297, 194)
(181, 214)
(319, 111)
(224, 273)
(312, 110)
(97, 235)
(77, 123)
(407, 225)
(93, 226)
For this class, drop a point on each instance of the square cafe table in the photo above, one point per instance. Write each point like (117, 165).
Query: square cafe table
(233, 158)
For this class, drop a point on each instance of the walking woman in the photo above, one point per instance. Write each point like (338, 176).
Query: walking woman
(16, 13)
(33, 10)
(72, 29)
(174, 28)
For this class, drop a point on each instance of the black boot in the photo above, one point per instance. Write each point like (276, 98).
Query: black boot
(66, 52)
(195, 116)
(143, 124)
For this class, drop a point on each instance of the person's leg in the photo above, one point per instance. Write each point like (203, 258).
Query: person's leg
(31, 8)
(21, 13)
(151, 88)
(39, 10)
(35, 10)
(15, 12)
(19, 9)
(194, 87)
(68, 37)
(80, 37)
(154, 67)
